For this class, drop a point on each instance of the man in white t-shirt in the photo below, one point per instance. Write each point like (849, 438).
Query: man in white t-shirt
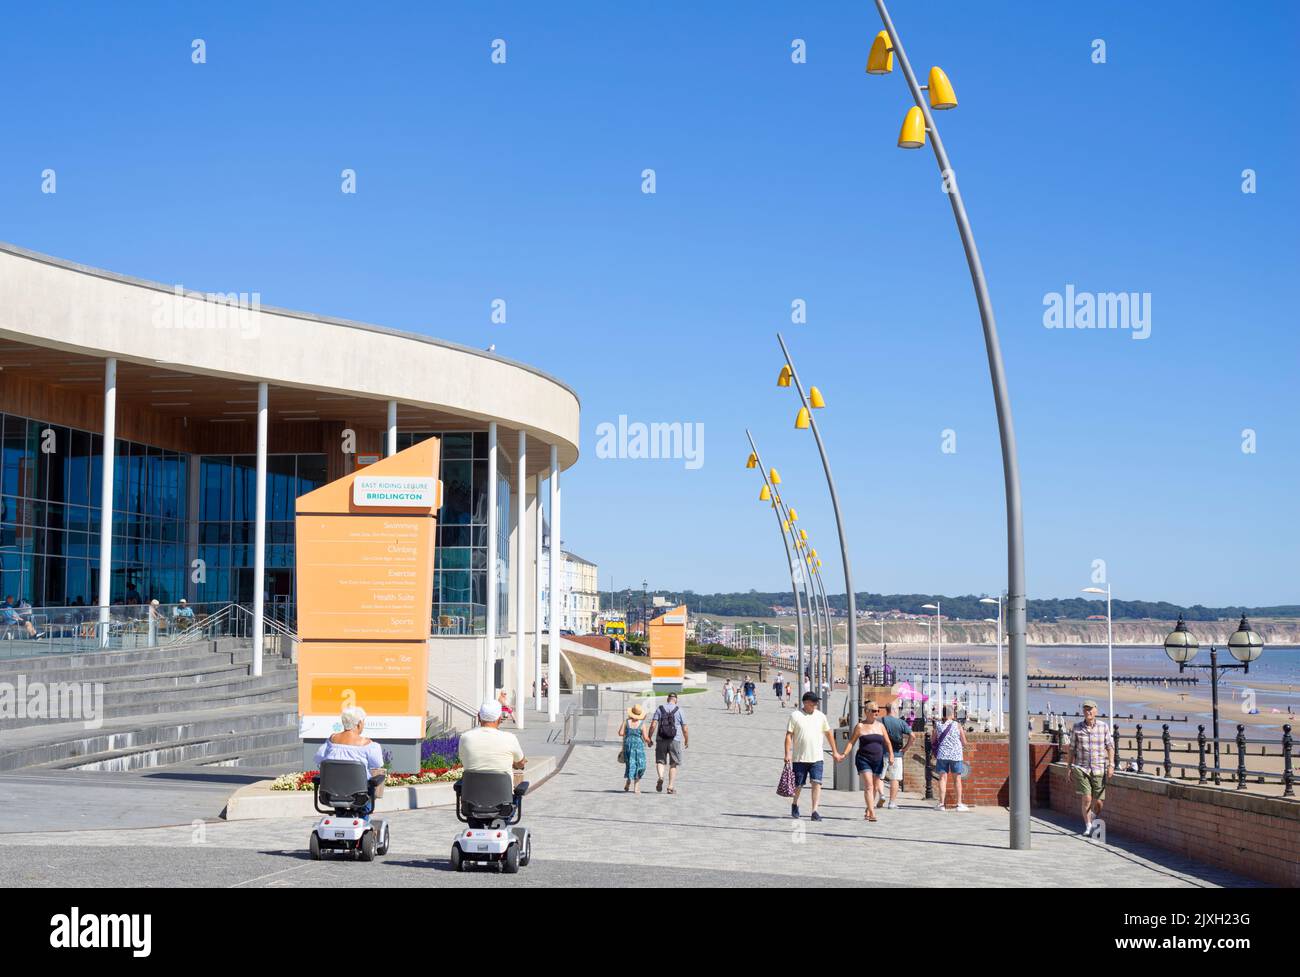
(489, 749)
(803, 750)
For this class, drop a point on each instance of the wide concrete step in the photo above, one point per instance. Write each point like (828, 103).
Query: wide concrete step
(52, 743)
(286, 758)
(192, 750)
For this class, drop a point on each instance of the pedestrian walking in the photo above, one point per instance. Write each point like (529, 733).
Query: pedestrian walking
(751, 694)
(872, 739)
(789, 693)
(803, 750)
(670, 736)
(727, 693)
(1092, 764)
(634, 743)
(949, 750)
(900, 738)
(778, 686)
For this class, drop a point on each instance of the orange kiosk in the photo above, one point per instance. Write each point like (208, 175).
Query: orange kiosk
(365, 547)
(668, 650)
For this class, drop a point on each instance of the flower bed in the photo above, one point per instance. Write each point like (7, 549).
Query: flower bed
(435, 775)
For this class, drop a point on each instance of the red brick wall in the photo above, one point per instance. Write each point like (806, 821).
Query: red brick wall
(1255, 835)
(990, 764)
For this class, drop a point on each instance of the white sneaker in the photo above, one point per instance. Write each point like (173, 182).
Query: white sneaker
(1091, 829)
(962, 807)
(940, 807)
(891, 806)
(1086, 832)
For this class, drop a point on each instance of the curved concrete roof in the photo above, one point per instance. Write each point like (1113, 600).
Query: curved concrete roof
(61, 304)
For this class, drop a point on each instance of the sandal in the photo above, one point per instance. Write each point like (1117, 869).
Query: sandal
(871, 815)
(672, 790)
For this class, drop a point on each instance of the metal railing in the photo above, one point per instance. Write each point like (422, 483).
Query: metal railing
(1143, 746)
(450, 705)
(27, 632)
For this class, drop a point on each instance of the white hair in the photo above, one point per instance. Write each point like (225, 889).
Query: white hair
(353, 716)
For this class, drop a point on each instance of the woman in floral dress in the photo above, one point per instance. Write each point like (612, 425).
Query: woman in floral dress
(634, 742)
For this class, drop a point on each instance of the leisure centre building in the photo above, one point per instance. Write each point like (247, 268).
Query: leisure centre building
(217, 412)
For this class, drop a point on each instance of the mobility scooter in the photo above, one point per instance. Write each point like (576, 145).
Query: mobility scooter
(491, 808)
(347, 790)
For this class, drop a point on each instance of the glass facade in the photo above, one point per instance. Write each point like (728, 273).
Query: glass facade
(49, 523)
(226, 517)
(460, 573)
(49, 517)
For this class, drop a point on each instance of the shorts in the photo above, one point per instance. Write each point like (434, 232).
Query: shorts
(804, 772)
(894, 771)
(668, 751)
(752, 699)
(1088, 783)
(942, 767)
(864, 763)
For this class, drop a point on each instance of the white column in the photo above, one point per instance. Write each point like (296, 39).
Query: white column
(538, 532)
(392, 427)
(521, 583)
(259, 532)
(553, 666)
(490, 644)
(106, 498)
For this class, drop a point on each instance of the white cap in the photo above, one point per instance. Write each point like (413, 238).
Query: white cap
(490, 711)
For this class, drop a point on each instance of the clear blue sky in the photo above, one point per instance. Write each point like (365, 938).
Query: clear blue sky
(775, 181)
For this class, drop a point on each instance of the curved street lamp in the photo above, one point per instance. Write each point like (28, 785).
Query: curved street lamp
(997, 699)
(806, 420)
(1245, 644)
(766, 495)
(941, 97)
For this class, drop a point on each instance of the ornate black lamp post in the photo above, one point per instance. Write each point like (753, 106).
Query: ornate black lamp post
(1246, 645)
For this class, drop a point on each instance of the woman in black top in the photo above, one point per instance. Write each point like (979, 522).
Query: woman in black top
(873, 748)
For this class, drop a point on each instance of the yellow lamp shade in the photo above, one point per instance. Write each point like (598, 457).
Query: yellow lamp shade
(785, 524)
(764, 495)
(803, 534)
(881, 59)
(801, 419)
(751, 461)
(783, 380)
(912, 135)
(815, 398)
(819, 564)
(794, 516)
(941, 94)
(774, 475)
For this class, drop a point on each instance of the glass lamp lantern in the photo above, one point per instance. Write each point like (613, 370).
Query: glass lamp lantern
(1246, 645)
(1181, 645)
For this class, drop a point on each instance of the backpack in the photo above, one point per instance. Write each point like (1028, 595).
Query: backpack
(667, 723)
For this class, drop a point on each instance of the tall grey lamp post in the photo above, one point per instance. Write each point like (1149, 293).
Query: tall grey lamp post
(855, 698)
(794, 585)
(1019, 704)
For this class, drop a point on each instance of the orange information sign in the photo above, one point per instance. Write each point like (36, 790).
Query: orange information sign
(668, 650)
(365, 548)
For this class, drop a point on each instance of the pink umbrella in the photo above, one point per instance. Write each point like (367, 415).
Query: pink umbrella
(904, 690)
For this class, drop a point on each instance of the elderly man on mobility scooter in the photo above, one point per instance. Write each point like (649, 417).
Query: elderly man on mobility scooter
(487, 800)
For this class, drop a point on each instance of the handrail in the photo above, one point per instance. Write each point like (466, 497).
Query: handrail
(450, 700)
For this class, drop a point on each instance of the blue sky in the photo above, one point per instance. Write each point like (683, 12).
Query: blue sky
(775, 181)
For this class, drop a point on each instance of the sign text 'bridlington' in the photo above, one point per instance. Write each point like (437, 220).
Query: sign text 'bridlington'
(405, 491)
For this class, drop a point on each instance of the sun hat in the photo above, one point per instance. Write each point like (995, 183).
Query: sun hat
(636, 712)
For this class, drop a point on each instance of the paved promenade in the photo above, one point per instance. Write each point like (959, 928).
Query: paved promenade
(726, 827)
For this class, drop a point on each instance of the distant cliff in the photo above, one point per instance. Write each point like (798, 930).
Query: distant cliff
(1284, 632)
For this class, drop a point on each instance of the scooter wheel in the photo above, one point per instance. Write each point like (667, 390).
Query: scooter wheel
(383, 844)
(457, 862)
(510, 864)
(527, 855)
(313, 847)
(366, 852)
